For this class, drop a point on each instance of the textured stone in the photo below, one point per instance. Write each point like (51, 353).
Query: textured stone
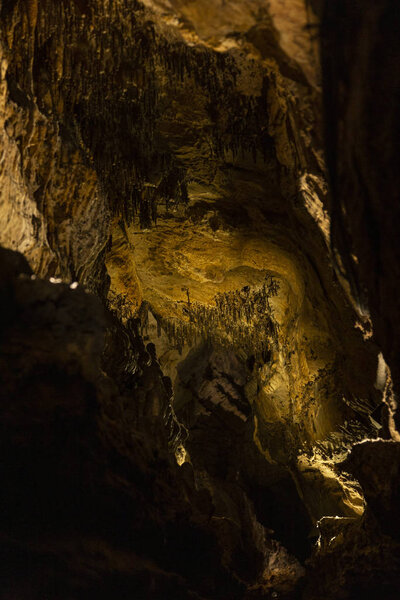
(167, 156)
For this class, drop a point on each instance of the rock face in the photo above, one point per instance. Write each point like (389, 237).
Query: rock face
(355, 558)
(187, 368)
(360, 54)
(83, 483)
(365, 211)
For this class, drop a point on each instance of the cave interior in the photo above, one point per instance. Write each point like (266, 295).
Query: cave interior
(199, 289)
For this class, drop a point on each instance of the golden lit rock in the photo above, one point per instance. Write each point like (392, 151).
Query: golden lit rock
(198, 282)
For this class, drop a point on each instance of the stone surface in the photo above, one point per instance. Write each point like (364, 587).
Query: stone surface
(380, 484)
(182, 430)
(362, 127)
(93, 501)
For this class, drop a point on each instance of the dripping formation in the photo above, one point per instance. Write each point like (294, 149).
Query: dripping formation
(199, 299)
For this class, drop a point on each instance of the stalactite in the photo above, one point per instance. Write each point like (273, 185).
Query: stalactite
(241, 319)
(93, 102)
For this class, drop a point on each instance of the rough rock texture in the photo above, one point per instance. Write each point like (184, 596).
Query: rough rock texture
(79, 477)
(360, 63)
(380, 486)
(358, 558)
(362, 94)
(93, 503)
(167, 157)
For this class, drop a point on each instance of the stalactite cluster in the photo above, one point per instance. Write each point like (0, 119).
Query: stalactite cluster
(189, 393)
(241, 319)
(116, 92)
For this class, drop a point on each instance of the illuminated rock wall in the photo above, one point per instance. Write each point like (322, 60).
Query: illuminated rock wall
(168, 158)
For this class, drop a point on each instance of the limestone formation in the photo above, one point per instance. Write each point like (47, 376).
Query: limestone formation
(199, 299)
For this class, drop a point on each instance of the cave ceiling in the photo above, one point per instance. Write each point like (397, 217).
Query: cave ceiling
(163, 173)
(248, 211)
(170, 154)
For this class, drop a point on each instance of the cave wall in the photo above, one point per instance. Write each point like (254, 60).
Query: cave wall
(360, 56)
(167, 157)
(362, 87)
(222, 149)
(93, 501)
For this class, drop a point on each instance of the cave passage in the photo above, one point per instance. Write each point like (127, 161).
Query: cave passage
(199, 299)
